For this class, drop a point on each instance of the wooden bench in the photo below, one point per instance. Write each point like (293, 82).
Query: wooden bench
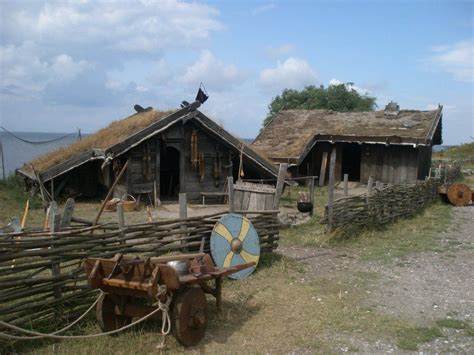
(210, 194)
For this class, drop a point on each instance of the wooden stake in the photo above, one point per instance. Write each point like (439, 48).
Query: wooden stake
(109, 194)
(332, 167)
(346, 185)
(230, 183)
(25, 214)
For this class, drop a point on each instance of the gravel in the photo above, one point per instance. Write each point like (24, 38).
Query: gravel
(421, 287)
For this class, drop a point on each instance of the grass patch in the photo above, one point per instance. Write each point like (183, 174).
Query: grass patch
(456, 324)
(411, 338)
(399, 239)
(451, 323)
(13, 198)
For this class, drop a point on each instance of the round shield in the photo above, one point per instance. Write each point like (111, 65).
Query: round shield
(234, 241)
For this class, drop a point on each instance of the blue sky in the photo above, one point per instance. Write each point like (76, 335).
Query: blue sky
(69, 64)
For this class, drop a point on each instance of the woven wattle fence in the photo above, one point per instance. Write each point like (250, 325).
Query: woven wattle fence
(387, 203)
(41, 276)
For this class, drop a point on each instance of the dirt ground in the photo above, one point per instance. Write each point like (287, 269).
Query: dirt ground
(422, 288)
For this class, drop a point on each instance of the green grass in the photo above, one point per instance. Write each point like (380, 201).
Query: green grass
(456, 324)
(411, 338)
(13, 199)
(399, 239)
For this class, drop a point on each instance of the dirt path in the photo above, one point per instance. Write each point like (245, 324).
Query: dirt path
(422, 287)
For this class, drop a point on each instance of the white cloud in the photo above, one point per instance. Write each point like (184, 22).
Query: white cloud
(25, 73)
(261, 9)
(55, 49)
(215, 74)
(280, 51)
(144, 26)
(349, 86)
(456, 59)
(293, 73)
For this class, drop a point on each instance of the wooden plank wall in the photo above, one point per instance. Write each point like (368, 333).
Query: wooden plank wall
(393, 164)
(253, 197)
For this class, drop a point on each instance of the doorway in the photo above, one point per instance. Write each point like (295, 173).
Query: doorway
(169, 173)
(351, 158)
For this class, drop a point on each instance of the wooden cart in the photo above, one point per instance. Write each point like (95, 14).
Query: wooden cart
(131, 286)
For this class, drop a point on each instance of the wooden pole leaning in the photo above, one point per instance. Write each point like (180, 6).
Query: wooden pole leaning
(109, 194)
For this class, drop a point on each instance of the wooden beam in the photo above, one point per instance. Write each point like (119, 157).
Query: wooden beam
(332, 168)
(230, 184)
(109, 194)
(280, 184)
(322, 172)
(346, 185)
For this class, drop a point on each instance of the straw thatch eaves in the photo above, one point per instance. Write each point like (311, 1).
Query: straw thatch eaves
(123, 135)
(292, 133)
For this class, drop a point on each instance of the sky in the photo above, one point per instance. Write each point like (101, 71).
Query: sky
(69, 64)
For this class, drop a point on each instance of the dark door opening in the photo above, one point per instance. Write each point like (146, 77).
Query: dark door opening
(351, 158)
(169, 173)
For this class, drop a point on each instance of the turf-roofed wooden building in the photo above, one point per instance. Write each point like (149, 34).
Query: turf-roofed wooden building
(176, 151)
(391, 145)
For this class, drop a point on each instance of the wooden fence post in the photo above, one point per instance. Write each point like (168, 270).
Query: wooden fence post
(322, 172)
(121, 221)
(54, 227)
(230, 184)
(346, 185)
(279, 185)
(370, 184)
(332, 167)
(311, 194)
(183, 214)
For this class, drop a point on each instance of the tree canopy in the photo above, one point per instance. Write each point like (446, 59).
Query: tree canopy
(341, 97)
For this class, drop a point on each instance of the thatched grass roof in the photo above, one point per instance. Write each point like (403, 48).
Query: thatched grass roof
(120, 136)
(291, 131)
(103, 139)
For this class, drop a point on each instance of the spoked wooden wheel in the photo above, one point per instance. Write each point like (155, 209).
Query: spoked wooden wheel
(189, 318)
(106, 316)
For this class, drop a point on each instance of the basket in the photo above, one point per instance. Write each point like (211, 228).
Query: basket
(111, 205)
(129, 205)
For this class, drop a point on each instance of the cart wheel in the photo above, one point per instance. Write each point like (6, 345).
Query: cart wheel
(190, 316)
(106, 316)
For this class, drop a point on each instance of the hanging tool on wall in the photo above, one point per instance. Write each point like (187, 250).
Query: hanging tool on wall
(202, 166)
(194, 150)
(241, 164)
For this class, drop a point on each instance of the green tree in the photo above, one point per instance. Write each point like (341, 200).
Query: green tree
(341, 97)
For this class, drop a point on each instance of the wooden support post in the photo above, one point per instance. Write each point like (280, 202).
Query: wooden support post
(54, 227)
(68, 212)
(332, 168)
(346, 185)
(121, 221)
(230, 184)
(279, 185)
(322, 172)
(370, 184)
(183, 214)
(311, 194)
(109, 194)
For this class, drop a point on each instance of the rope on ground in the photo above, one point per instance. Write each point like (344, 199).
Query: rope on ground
(165, 315)
(162, 306)
(33, 142)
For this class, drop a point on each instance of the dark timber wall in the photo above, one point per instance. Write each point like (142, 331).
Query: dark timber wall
(390, 164)
(147, 164)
